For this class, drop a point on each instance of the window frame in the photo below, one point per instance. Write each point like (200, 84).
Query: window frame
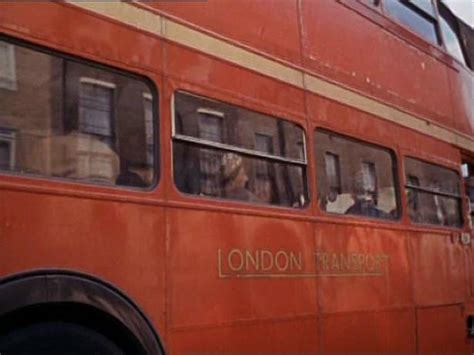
(407, 185)
(432, 18)
(100, 64)
(443, 8)
(394, 170)
(245, 152)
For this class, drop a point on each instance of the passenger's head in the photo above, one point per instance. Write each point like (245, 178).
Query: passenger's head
(363, 187)
(232, 170)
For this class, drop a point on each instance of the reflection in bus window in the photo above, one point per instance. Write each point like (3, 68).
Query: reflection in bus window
(469, 179)
(450, 30)
(225, 151)
(468, 175)
(65, 119)
(433, 194)
(354, 178)
(418, 16)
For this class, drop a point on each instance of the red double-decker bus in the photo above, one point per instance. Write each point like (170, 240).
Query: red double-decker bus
(235, 176)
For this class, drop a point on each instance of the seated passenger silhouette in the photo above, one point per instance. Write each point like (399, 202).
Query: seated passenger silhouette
(128, 177)
(234, 179)
(364, 196)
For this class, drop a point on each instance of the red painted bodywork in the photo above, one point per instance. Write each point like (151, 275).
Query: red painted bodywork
(160, 247)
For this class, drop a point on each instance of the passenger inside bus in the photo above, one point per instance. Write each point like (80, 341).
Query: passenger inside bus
(365, 197)
(235, 179)
(127, 177)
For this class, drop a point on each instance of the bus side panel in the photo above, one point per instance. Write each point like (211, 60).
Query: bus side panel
(346, 120)
(247, 21)
(219, 76)
(417, 82)
(376, 332)
(367, 268)
(442, 330)
(219, 270)
(79, 32)
(439, 269)
(121, 243)
(462, 93)
(226, 270)
(278, 336)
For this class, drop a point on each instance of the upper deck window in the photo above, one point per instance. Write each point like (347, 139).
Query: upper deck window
(225, 151)
(433, 194)
(417, 15)
(74, 120)
(355, 178)
(450, 31)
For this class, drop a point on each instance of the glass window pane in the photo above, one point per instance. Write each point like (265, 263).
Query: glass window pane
(469, 180)
(451, 40)
(428, 208)
(224, 151)
(468, 175)
(426, 186)
(432, 177)
(96, 109)
(7, 66)
(333, 173)
(414, 21)
(5, 155)
(366, 177)
(425, 5)
(371, 2)
(76, 121)
(210, 172)
(223, 123)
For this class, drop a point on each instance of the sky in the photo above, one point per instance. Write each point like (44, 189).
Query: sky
(462, 8)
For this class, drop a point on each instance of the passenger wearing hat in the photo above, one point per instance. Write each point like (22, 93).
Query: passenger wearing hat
(234, 179)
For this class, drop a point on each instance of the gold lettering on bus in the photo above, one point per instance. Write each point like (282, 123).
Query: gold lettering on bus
(235, 254)
(357, 264)
(281, 263)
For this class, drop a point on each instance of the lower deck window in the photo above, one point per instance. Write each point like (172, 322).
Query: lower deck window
(74, 120)
(355, 178)
(224, 151)
(433, 194)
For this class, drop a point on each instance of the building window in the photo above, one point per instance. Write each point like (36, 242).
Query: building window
(7, 66)
(264, 144)
(225, 151)
(86, 123)
(333, 174)
(433, 194)
(418, 15)
(355, 178)
(96, 100)
(7, 149)
(148, 112)
(264, 175)
(210, 129)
